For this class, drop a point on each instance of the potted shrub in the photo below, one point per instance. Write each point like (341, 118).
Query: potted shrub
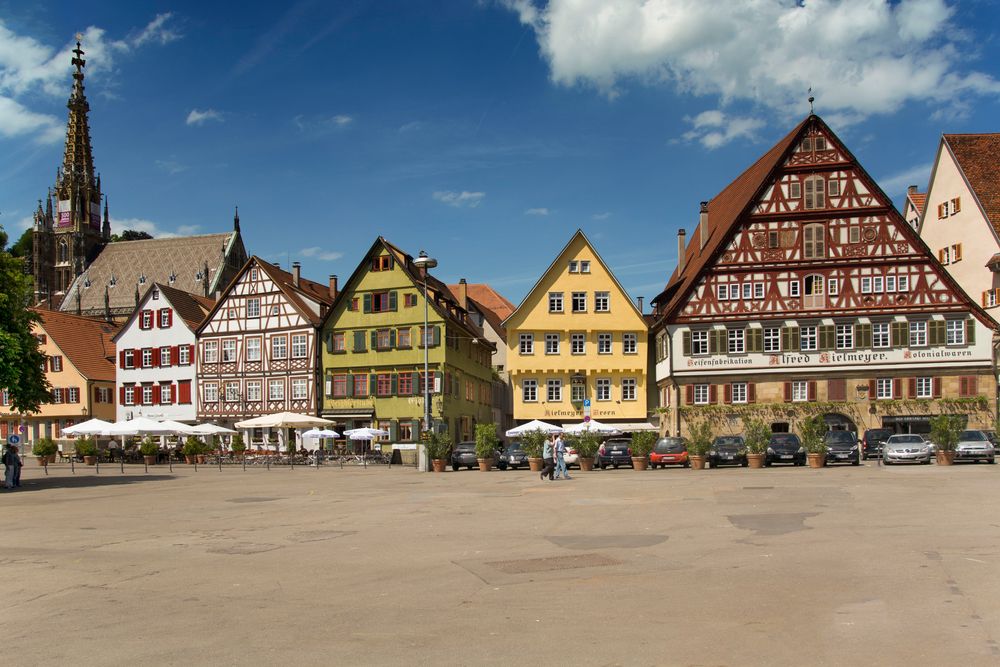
(699, 444)
(87, 448)
(533, 442)
(642, 445)
(486, 445)
(148, 448)
(945, 430)
(756, 436)
(191, 449)
(438, 448)
(237, 445)
(812, 431)
(43, 449)
(587, 444)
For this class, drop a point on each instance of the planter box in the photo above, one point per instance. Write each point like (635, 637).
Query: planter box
(945, 458)
(585, 463)
(697, 462)
(535, 465)
(640, 462)
(437, 465)
(755, 460)
(816, 460)
(485, 464)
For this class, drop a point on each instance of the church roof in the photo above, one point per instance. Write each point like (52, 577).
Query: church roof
(978, 156)
(86, 343)
(122, 266)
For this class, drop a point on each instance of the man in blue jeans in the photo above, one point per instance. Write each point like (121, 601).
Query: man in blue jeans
(560, 448)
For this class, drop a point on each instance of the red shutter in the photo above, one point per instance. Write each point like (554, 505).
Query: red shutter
(173, 392)
(65, 395)
(727, 393)
(175, 355)
(190, 354)
(689, 394)
(872, 390)
(156, 357)
(963, 386)
(713, 393)
(973, 385)
(159, 319)
(121, 396)
(912, 387)
(121, 358)
(184, 391)
(169, 319)
(788, 392)
(156, 394)
(897, 387)
(936, 387)
(811, 388)
(751, 392)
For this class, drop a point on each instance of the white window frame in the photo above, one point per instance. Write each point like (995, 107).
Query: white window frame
(300, 346)
(734, 291)
(526, 343)
(602, 302)
(736, 341)
(722, 292)
(808, 338)
(578, 302)
(883, 389)
(578, 343)
(758, 290)
(833, 286)
(210, 354)
(147, 357)
(845, 336)
(300, 389)
(630, 343)
(279, 350)
(866, 284)
(210, 392)
(253, 347)
(918, 333)
(551, 343)
(253, 307)
(878, 284)
(954, 332)
(529, 391)
(275, 390)
(629, 389)
(699, 342)
(556, 302)
(602, 389)
(231, 392)
(228, 350)
(794, 288)
(747, 291)
(183, 355)
(738, 392)
(881, 338)
(574, 266)
(553, 390)
(925, 387)
(902, 283)
(890, 283)
(772, 339)
(577, 393)
(255, 390)
(130, 395)
(800, 391)
(584, 266)
(605, 343)
(701, 394)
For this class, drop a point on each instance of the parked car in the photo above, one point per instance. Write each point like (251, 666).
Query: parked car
(904, 447)
(785, 448)
(729, 450)
(874, 438)
(514, 457)
(614, 453)
(463, 455)
(571, 457)
(842, 447)
(669, 451)
(974, 446)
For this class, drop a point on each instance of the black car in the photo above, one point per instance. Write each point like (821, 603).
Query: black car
(514, 457)
(871, 444)
(841, 447)
(785, 448)
(728, 450)
(615, 453)
(463, 455)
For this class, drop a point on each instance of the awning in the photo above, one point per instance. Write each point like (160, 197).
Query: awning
(631, 427)
(349, 413)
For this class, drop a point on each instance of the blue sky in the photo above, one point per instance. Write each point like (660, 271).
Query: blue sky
(484, 132)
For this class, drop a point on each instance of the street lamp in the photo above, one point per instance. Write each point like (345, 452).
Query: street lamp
(426, 263)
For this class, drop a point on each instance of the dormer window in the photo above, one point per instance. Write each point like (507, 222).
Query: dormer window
(113, 281)
(173, 278)
(198, 276)
(86, 283)
(142, 279)
(253, 274)
(156, 294)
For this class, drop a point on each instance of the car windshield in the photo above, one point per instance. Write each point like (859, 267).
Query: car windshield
(839, 437)
(728, 441)
(514, 447)
(906, 440)
(785, 439)
(465, 447)
(877, 434)
(616, 444)
(972, 436)
(664, 445)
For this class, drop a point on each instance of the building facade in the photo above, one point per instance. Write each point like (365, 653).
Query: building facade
(80, 367)
(803, 291)
(257, 348)
(156, 356)
(373, 357)
(577, 346)
(961, 219)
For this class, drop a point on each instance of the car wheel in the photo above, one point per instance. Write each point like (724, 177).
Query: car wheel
(454, 466)
(687, 464)
(469, 468)
(855, 462)
(615, 466)
(991, 461)
(886, 462)
(604, 466)
(926, 463)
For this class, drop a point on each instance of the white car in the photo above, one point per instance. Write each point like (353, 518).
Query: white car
(974, 446)
(906, 447)
(571, 457)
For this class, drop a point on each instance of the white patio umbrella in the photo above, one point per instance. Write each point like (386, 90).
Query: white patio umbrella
(139, 426)
(365, 433)
(89, 427)
(593, 426)
(210, 429)
(533, 425)
(320, 433)
(179, 428)
(284, 420)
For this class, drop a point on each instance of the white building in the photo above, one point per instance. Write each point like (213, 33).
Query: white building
(156, 355)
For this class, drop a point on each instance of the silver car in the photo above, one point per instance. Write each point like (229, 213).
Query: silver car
(974, 446)
(906, 447)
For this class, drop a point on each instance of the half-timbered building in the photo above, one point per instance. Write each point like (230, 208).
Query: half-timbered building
(257, 349)
(804, 290)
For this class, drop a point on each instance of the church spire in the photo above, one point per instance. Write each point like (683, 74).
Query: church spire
(236, 221)
(78, 159)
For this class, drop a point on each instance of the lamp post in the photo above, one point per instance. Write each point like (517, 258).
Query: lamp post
(426, 263)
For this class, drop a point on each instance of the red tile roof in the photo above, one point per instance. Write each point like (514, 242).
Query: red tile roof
(190, 307)
(86, 343)
(978, 156)
(494, 307)
(918, 199)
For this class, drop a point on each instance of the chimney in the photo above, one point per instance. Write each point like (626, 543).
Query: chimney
(703, 224)
(912, 190)
(639, 300)
(333, 287)
(296, 273)
(463, 294)
(681, 243)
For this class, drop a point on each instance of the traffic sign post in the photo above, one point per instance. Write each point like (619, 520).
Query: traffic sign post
(13, 439)
(586, 410)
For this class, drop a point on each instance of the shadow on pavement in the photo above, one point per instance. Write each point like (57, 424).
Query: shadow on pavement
(83, 481)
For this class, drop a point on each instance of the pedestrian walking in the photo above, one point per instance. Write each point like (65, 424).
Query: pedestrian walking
(12, 468)
(560, 448)
(550, 465)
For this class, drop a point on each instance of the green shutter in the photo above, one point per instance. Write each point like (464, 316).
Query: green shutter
(350, 386)
(936, 332)
(827, 337)
(368, 303)
(716, 342)
(392, 300)
(970, 331)
(329, 342)
(686, 343)
(863, 334)
(392, 338)
(899, 334)
(394, 431)
(372, 385)
(755, 342)
(373, 335)
(359, 341)
(437, 335)
(394, 384)
(790, 339)
(437, 382)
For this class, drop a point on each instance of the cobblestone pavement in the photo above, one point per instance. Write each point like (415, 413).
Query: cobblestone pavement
(390, 566)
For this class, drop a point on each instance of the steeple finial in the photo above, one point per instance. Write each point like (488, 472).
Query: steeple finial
(236, 220)
(811, 100)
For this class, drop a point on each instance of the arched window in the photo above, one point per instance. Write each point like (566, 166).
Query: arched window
(814, 241)
(63, 251)
(815, 188)
(813, 294)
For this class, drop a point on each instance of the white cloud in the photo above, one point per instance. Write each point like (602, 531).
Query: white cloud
(320, 254)
(896, 184)
(342, 120)
(322, 123)
(171, 166)
(537, 211)
(156, 31)
(188, 230)
(119, 225)
(601, 216)
(198, 117)
(716, 128)
(860, 57)
(412, 126)
(460, 199)
(16, 120)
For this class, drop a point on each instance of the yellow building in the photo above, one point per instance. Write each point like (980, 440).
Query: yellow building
(577, 345)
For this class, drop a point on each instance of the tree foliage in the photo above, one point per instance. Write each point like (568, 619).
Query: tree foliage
(24, 245)
(21, 362)
(131, 235)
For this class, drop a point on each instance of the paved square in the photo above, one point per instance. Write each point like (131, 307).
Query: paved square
(389, 566)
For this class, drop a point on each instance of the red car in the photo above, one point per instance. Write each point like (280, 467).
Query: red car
(669, 452)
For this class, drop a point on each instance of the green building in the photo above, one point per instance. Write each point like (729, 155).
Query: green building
(373, 352)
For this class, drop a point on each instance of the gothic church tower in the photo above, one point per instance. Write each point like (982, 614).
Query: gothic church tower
(68, 231)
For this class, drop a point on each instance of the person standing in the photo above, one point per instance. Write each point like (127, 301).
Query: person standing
(547, 456)
(560, 448)
(12, 467)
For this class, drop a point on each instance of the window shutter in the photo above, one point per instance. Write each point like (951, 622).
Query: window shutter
(184, 392)
(836, 390)
(375, 263)
(156, 394)
(350, 386)
(911, 387)
(897, 387)
(872, 390)
(936, 332)
(899, 334)
(956, 205)
(713, 393)
(941, 255)
(716, 341)
(970, 331)
(392, 340)
(159, 319)
(963, 386)
(170, 318)
(175, 355)
(394, 431)
(811, 390)
(756, 342)
(367, 303)
(984, 299)
(936, 387)
(727, 393)
(751, 392)
(973, 387)
(689, 394)
(437, 388)
(394, 384)
(686, 343)
(392, 300)
(827, 337)
(956, 251)
(437, 335)
(156, 357)
(374, 339)
(121, 359)
(359, 341)
(788, 392)
(121, 395)
(372, 385)
(864, 336)
(329, 342)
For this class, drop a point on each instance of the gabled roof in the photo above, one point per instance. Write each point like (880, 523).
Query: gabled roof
(917, 200)
(191, 308)
(978, 156)
(183, 257)
(724, 211)
(86, 343)
(577, 235)
(494, 307)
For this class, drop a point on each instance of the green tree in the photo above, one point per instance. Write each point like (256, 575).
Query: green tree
(3, 239)
(21, 361)
(24, 245)
(131, 235)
